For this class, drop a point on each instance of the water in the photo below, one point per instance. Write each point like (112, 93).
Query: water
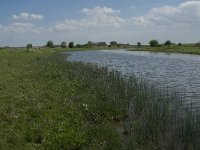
(180, 72)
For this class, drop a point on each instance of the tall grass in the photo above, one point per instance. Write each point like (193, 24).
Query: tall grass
(162, 120)
(49, 103)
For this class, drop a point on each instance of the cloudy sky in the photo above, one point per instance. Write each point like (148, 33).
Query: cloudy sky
(127, 21)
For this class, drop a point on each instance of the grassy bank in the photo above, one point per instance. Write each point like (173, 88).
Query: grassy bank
(47, 103)
(60, 49)
(186, 49)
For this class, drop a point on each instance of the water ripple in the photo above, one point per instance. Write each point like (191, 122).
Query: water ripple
(176, 71)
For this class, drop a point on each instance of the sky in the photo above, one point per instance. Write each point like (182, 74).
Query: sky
(80, 21)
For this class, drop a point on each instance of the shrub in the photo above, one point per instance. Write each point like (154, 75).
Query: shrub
(168, 42)
(71, 45)
(197, 44)
(50, 44)
(139, 44)
(28, 46)
(63, 45)
(154, 43)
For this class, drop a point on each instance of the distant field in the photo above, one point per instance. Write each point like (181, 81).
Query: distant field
(184, 48)
(187, 49)
(60, 49)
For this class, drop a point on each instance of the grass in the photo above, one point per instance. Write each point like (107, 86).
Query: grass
(185, 48)
(91, 48)
(48, 103)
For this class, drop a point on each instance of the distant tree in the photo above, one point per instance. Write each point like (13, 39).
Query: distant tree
(50, 44)
(179, 44)
(71, 44)
(113, 43)
(168, 42)
(78, 46)
(139, 44)
(63, 45)
(101, 44)
(90, 44)
(153, 43)
(28, 46)
(197, 44)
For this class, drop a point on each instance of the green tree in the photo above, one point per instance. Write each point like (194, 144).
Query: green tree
(113, 43)
(28, 46)
(197, 44)
(63, 45)
(101, 44)
(179, 44)
(154, 43)
(50, 44)
(78, 46)
(139, 44)
(90, 44)
(71, 44)
(168, 43)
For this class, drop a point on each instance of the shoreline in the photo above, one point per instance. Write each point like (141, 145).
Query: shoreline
(178, 50)
(48, 102)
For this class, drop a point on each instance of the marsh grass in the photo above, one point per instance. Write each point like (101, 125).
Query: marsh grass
(162, 120)
(49, 103)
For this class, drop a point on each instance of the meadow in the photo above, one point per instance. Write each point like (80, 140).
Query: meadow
(47, 102)
(184, 48)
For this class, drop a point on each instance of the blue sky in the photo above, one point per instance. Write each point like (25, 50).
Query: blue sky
(127, 21)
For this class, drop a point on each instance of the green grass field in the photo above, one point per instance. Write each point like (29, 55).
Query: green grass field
(49, 103)
(185, 48)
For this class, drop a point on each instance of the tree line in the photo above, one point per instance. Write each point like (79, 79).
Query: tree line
(112, 44)
(89, 44)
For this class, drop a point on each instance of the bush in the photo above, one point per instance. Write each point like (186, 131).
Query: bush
(71, 45)
(154, 43)
(50, 44)
(113, 43)
(139, 44)
(63, 45)
(197, 44)
(168, 42)
(78, 46)
(28, 46)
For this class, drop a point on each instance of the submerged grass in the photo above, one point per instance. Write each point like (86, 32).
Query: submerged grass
(48, 103)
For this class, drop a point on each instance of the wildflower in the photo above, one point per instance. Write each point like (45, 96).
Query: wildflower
(85, 106)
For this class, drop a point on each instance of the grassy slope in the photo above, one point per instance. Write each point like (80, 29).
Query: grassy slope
(187, 49)
(44, 104)
(47, 103)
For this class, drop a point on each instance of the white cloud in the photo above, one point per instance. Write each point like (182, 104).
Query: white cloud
(187, 13)
(99, 10)
(23, 25)
(27, 16)
(178, 23)
(22, 28)
(97, 17)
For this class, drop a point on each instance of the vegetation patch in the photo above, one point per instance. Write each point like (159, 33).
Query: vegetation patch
(168, 47)
(49, 103)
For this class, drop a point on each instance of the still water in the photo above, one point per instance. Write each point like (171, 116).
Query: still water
(180, 72)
